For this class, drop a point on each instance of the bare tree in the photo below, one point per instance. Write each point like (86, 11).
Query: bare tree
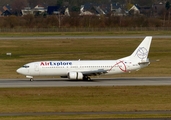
(33, 3)
(167, 6)
(4, 2)
(49, 2)
(17, 5)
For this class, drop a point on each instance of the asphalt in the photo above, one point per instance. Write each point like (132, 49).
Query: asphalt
(93, 113)
(58, 82)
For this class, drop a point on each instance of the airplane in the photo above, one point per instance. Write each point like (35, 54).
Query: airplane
(83, 69)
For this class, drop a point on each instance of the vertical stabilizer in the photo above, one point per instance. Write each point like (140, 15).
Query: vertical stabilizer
(141, 52)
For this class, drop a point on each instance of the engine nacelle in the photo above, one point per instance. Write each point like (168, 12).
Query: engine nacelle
(75, 76)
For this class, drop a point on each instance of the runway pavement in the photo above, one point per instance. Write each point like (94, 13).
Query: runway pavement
(135, 81)
(96, 113)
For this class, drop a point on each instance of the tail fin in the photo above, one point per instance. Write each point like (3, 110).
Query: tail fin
(141, 52)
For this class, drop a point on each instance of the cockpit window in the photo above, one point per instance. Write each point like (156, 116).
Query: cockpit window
(25, 66)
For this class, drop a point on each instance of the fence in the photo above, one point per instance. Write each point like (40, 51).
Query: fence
(85, 29)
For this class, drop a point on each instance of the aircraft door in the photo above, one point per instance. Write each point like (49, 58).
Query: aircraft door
(128, 66)
(36, 68)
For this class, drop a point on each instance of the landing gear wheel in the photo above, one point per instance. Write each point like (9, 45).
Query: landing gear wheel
(86, 78)
(31, 79)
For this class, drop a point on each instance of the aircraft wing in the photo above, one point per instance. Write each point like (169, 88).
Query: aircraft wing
(94, 72)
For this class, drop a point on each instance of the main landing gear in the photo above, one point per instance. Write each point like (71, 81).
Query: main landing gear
(31, 79)
(86, 78)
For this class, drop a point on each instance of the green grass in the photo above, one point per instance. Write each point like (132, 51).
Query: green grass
(78, 99)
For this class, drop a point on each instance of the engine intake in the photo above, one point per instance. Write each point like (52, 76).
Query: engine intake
(75, 76)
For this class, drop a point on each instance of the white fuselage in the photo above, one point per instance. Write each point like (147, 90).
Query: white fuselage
(62, 68)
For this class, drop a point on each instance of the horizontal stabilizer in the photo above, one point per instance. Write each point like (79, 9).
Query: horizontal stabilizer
(147, 62)
(143, 63)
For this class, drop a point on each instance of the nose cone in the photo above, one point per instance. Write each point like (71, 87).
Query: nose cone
(22, 71)
(19, 71)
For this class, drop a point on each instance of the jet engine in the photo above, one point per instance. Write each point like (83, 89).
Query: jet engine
(75, 75)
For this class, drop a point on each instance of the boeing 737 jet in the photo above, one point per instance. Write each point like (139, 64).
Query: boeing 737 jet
(83, 69)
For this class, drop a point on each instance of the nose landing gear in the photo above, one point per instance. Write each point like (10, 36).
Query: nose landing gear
(30, 77)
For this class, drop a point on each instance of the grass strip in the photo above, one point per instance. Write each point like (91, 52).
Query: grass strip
(87, 99)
